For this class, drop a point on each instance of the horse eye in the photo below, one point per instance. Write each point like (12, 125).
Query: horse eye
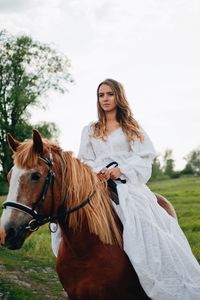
(35, 176)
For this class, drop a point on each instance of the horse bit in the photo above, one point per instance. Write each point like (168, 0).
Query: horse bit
(37, 219)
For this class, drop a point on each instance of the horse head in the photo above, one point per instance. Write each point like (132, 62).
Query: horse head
(31, 200)
(49, 185)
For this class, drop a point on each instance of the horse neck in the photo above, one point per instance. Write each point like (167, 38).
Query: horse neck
(78, 181)
(95, 219)
(79, 243)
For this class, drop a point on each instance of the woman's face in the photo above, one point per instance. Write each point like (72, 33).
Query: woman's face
(107, 98)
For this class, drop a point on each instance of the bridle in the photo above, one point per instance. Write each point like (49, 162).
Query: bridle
(37, 219)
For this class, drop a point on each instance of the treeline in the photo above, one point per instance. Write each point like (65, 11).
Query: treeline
(29, 70)
(164, 166)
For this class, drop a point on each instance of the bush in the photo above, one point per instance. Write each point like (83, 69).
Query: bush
(3, 186)
(175, 174)
(188, 170)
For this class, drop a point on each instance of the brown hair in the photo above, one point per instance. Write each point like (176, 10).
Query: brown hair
(124, 115)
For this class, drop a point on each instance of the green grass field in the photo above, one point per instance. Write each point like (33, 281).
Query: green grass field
(184, 194)
(29, 273)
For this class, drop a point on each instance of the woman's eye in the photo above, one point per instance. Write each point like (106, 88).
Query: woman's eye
(35, 176)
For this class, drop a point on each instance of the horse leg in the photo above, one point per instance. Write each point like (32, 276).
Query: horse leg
(164, 203)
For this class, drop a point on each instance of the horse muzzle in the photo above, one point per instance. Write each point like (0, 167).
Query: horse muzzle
(12, 236)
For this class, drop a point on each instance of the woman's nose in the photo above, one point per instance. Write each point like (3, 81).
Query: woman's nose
(105, 98)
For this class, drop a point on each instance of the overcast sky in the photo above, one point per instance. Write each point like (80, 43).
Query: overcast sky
(151, 46)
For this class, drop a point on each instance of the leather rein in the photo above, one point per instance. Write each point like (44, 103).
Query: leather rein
(37, 219)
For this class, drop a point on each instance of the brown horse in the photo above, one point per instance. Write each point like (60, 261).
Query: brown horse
(48, 185)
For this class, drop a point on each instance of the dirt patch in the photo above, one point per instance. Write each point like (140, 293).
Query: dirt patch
(41, 283)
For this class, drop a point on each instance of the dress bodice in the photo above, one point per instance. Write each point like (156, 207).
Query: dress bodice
(116, 142)
(134, 158)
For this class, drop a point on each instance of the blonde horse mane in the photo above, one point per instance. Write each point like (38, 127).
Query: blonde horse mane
(78, 183)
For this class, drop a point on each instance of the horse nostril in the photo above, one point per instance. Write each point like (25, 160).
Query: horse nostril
(14, 236)
(10, 233)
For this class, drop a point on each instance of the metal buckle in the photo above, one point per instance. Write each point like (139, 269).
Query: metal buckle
(33, 225)
(53, 227)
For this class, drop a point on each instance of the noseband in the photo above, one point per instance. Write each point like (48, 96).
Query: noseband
(37, 219)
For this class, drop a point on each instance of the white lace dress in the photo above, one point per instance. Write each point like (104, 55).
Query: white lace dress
(153, 240)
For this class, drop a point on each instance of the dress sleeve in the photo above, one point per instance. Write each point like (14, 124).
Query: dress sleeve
(86, 152)
(138, 167)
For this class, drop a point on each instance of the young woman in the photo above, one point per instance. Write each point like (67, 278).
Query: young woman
(153, 240)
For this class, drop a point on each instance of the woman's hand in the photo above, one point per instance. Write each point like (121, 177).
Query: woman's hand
(114, 173)
(105, 173)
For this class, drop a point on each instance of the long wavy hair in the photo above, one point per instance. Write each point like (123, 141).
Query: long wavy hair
(124, 114)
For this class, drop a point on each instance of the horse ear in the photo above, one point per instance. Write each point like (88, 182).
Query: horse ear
(37, 142)
(13, 144)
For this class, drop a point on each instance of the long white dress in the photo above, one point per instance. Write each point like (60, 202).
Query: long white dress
(153, 240)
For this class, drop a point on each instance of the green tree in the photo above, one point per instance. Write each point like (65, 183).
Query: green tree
(168, 168)
(188, 170)
(28, 70)
(156, 169)
(193, 162)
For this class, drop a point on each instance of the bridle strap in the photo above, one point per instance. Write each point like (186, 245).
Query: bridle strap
(87, 201)
(21, 207)
(39, 220)
(65, 214)
(49, 180)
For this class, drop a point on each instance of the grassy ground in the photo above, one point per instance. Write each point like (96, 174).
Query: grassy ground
(29, 273)
(184, 194)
